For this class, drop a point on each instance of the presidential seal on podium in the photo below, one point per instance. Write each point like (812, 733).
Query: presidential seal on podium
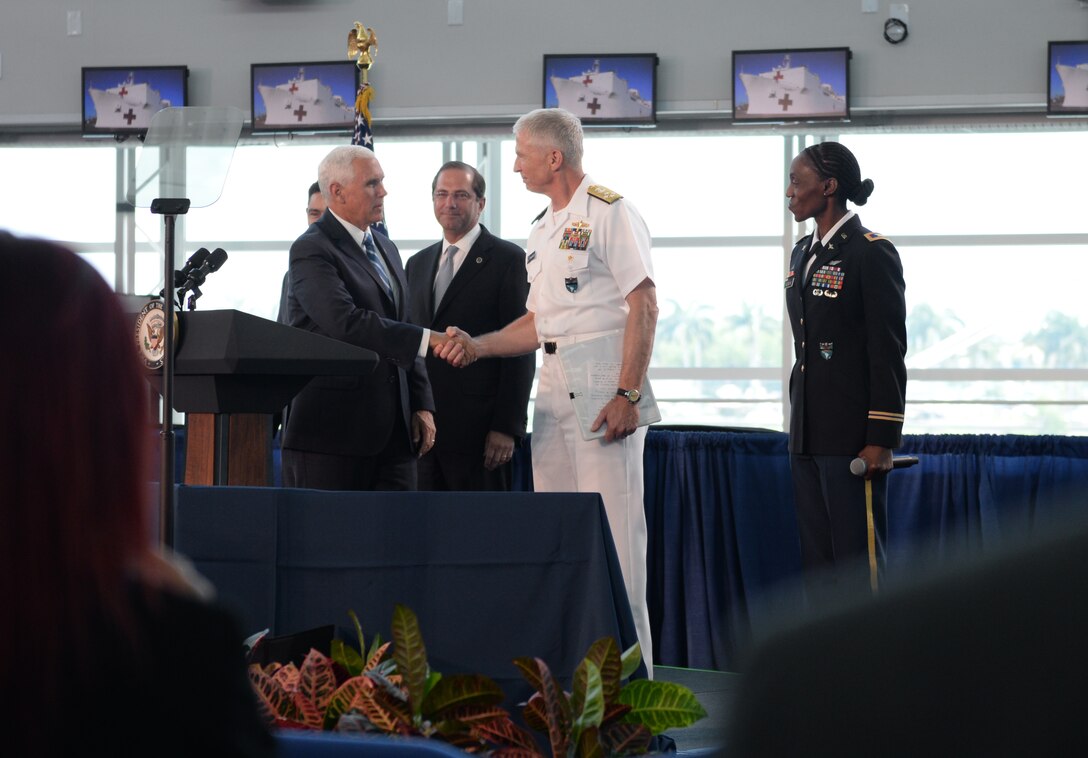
(151, 334)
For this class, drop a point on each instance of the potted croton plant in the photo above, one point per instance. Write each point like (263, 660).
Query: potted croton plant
(390, 689)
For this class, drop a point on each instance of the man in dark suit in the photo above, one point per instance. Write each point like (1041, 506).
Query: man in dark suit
(480, 282)
(315, 206)
(347, 282)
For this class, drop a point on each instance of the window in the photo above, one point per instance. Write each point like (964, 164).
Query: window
(988, 221)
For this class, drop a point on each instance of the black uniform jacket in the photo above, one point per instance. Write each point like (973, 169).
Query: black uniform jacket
(336, 292)
(848, 384)
(488, 292)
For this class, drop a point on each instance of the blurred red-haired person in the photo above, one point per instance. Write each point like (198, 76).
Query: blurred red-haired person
(105, 643)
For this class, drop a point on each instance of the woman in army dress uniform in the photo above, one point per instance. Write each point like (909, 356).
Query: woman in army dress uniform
(845, 299)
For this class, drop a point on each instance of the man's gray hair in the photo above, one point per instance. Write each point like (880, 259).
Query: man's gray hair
(339, 166)
(554, 128)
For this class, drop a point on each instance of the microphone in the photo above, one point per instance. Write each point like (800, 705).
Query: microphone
(858, 466)
(194, 262)
(211, 263)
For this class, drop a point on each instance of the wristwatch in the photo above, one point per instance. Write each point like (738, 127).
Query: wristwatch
(633, 396)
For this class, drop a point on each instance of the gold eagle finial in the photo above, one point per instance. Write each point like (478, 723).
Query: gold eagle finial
(362, 46)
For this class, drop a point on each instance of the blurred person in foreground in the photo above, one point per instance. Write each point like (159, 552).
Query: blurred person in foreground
(108, 645)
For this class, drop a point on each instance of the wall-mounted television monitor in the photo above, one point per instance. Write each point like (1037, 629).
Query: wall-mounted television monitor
(603, 90)
(124, 99)
(791, 84)
(1067, 82)
(304, 97)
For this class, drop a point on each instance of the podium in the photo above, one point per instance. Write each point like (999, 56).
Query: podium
(232, 371)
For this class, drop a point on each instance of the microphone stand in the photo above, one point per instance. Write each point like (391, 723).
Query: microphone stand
(170, 208)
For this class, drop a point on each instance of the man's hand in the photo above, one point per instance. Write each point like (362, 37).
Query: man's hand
(423, 431)
(620, 418)
(877, 459)
(498, 449)
(459, 349)
(436, 341)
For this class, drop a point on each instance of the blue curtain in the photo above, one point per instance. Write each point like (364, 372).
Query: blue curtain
(722, 531)
(723, 538)
(973, 492)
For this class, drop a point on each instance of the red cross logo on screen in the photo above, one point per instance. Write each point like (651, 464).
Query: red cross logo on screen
(778, 76)
(588, 80)
(300, 112)
(594, 106)
(293, 88)
(129, 117)
(785, 102)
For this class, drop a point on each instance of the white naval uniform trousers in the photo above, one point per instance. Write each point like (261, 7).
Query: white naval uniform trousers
(615, 261)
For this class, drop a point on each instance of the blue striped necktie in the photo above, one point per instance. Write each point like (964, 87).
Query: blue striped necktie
(375, 259)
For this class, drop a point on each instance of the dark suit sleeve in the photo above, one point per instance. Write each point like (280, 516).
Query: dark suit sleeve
(884, 302)
(341, 301)
(419, 383)
(515, 374)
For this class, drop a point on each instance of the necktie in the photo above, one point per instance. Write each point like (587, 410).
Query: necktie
(375, 259)
(445, 275)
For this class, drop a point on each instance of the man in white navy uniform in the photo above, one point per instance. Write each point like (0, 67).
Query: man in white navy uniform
(589, 269)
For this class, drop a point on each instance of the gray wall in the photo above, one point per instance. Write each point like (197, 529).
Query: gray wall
(979, 53)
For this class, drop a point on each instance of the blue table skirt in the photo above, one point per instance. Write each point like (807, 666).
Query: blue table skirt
(723, 538)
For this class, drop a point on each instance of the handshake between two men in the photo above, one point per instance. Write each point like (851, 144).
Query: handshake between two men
(458, 348)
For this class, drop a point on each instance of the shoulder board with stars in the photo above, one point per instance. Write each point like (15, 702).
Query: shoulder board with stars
(603, 193)
(874, 236)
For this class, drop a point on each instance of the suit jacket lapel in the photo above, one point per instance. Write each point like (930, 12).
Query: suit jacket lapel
(344, 242)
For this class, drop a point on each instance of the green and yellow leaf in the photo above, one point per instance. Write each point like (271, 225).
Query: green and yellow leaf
(630, 659)
(589, 712)
(348, 657)
(661, 705)
(411, 656)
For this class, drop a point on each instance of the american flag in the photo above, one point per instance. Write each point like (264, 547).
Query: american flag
(362, 134)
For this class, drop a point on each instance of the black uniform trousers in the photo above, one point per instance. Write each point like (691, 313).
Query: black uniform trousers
(832, 522)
